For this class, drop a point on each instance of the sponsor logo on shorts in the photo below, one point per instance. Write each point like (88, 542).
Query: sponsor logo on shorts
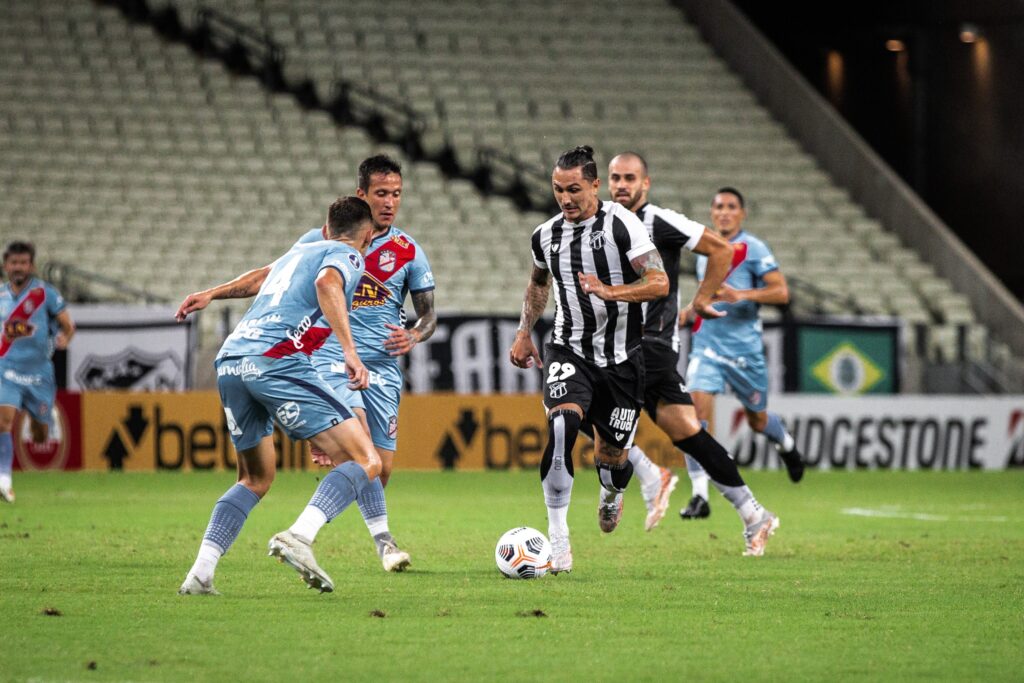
(288, 414)
(623, 418)
(247, 370)
(557, 390)
(232, 422)
(755, 397)
(393, 427)
(25, 380)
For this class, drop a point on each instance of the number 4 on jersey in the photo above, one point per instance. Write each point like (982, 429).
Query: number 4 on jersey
(281, 281)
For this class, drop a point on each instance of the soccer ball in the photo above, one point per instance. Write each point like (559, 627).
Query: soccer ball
(523, 553)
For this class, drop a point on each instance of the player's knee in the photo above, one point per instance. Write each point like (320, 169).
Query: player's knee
(6, 423)
(372, 467)
(610, 456)
(757, 421)
(385, 472)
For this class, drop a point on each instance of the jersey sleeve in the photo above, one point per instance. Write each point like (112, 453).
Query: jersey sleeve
(346, 262)
(636, 241)
(678, 230)
(761, 259)
(55, 303)
(421, 277)
(537, 250)
(314, 235)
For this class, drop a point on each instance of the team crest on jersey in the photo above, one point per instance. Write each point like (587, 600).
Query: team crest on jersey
(29, 308)
(386, 261)
(597, 240)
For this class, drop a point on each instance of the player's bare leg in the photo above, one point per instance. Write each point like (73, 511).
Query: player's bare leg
(614, 470)
(40, 431)
(680, 424)
(7, 414)
(356, 462)
(256, 469)
(556, 477)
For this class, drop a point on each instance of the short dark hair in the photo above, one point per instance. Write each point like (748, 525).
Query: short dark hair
(576, 157)
(732, 190)
(21, 247)
(637, 156)
(379, 163)
(346, 214)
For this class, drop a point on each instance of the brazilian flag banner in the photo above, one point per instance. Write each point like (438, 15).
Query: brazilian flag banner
(848, 360)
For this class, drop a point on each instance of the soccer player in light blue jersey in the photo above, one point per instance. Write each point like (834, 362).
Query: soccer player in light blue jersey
(264, 373)
(729, 351)
(396, 266)
(35, 323)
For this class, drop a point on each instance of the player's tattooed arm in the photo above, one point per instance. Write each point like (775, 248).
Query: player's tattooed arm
(401, 340)
(242, 287)
(653, 282)
(523, 353)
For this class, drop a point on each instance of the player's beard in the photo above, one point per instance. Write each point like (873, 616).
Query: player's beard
(632, 200)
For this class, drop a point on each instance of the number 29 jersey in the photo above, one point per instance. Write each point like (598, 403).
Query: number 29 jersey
(285, 317)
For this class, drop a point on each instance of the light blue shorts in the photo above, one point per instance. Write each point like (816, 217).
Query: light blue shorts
(747, 376)
(380, 400)
(256, 390)
(31, 389)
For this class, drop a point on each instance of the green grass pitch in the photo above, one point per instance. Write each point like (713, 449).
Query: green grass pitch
(931, 588)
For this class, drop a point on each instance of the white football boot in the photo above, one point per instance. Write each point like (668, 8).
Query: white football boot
(756, 534)
(561, 554)
(298, 554)
(194, 586)
(609, 510)
(7, 494)
(393, 558)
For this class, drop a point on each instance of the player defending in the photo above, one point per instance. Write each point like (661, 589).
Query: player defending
(666, 398)
(395, 266)
(730, 351)
(31, 310)
(264, 372)
(604, 267)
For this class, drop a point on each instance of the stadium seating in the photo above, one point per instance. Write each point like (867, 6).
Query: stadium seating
(162, 154)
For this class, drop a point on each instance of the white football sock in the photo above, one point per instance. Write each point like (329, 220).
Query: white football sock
(646, 471)
(206, 561)
(558, 524)
(309, 523)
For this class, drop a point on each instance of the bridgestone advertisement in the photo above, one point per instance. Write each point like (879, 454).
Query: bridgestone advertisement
(891, 432)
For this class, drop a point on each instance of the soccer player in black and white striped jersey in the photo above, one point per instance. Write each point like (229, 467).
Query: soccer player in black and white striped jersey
(603, 266)
(666, 398)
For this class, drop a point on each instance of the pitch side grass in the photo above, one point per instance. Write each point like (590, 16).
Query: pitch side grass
(872, 575)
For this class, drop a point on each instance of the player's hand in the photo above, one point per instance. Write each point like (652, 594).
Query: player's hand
(358, 375)
(727, 295)
(591, 285)
(523, 353)
(702, 307)
(60, 341)
(401, 340)
(196, 301)
(686, 315)
(319, 457)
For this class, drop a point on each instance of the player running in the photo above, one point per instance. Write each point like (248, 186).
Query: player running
(730, 351)
(396, 265)
(264, 373)
(666, 398)
(35, 323)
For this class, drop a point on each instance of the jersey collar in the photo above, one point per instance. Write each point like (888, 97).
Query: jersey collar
(29, 286)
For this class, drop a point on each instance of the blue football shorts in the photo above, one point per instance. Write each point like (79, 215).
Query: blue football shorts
(33, 389)
(256, 390)
(747, 376)
(380, 400)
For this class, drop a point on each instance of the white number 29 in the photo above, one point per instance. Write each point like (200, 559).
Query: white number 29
(566, 370)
